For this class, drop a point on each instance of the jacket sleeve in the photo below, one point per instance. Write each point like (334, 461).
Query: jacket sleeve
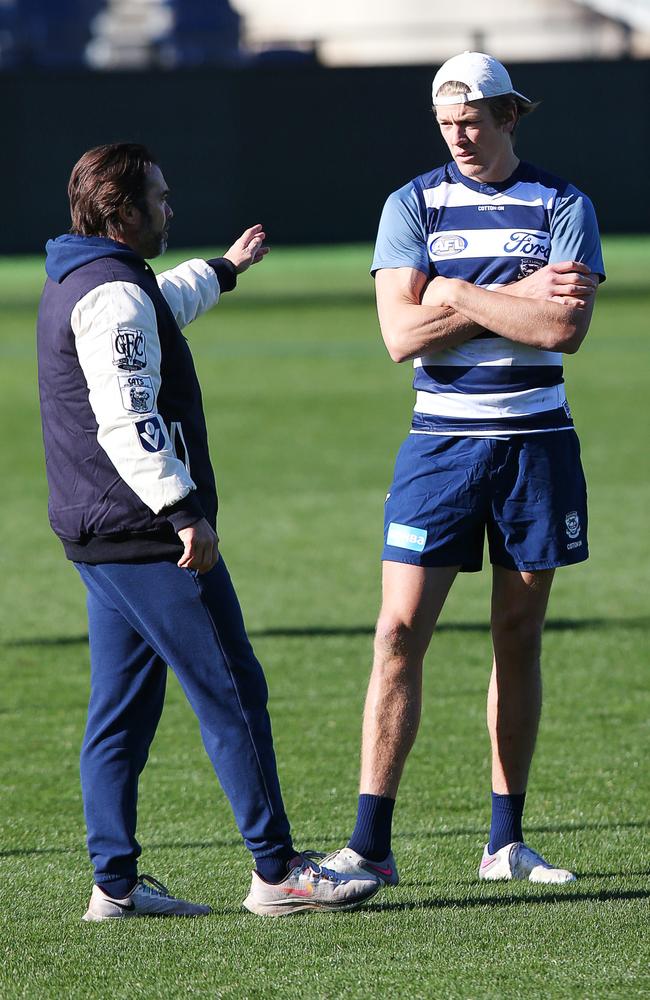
(189, 289)
(117, 342)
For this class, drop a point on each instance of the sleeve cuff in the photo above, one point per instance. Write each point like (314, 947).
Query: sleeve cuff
(184, 512)
(225, 271)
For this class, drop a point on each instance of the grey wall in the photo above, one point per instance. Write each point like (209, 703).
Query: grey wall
(309, 151)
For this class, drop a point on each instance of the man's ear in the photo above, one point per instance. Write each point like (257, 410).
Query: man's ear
(128, 215)
(510, 125)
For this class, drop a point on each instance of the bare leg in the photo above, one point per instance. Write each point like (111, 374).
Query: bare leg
(412, 600)
(514, 705)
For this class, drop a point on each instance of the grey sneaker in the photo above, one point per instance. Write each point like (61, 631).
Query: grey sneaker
(308, 886)
(148, 898)
(347, 862)
(516, 861)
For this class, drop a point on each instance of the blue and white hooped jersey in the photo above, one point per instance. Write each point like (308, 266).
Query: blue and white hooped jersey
(443, 223)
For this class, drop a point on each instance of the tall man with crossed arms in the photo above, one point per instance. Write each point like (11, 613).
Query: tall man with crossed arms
(486, 271)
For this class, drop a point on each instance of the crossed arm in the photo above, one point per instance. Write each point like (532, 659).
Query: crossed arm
(550, 309)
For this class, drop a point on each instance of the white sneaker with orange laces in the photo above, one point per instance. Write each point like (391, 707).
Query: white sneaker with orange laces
(308, 886)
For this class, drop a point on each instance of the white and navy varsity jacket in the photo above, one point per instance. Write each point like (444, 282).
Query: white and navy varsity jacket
(126, 445)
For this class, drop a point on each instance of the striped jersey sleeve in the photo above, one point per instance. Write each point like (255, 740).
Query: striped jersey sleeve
(401, 240)
(574, 232)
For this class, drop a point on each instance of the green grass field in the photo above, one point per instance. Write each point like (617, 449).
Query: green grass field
(305, 413)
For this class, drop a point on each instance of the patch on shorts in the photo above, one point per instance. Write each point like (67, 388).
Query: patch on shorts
(404, 536)
(572, 522)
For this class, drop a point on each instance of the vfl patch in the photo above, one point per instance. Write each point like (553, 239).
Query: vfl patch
(572, 522)
(446, 246)
(137, 393)
(151, 434)
(404, 536)
(129, 349)
(528, 266)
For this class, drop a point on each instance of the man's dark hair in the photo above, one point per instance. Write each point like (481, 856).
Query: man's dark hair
(102, 181)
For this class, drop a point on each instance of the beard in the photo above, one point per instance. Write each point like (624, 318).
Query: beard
(153, 240)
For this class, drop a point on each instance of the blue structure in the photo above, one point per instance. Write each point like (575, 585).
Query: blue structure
(46, 33)
(54, 33)
(204, 33)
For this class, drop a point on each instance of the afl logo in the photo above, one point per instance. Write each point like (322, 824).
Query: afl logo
(446, 246)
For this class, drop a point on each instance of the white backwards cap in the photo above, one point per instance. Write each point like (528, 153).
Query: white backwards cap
(484, 75)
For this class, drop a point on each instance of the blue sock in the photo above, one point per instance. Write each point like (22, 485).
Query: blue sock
(371, 835)
(507, 811)
(117, 888)
(274, 867)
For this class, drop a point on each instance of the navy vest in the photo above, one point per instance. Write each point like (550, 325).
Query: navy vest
(92, 510)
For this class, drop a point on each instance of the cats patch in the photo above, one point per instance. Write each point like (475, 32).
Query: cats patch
(137, 392)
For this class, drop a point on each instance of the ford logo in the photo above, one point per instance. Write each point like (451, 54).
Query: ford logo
(528, 244)
(448, 245)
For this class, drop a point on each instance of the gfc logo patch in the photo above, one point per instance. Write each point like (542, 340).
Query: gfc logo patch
(129, 349)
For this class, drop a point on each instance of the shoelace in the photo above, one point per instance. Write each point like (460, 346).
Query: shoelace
(315, 872)
(154, 888)
(313, 855)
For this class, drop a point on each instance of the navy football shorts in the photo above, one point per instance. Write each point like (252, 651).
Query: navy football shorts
(527, 491)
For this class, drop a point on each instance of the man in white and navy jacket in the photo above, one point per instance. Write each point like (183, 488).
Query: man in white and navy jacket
(133, 500)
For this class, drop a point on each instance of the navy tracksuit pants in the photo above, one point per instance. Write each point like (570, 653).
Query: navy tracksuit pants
(143, 616)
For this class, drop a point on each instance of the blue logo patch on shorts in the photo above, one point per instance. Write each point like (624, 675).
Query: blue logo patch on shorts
(404, 536)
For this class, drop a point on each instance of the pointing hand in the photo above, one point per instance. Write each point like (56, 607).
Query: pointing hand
(248, 249)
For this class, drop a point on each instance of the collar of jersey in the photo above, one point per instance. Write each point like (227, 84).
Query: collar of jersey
(488, 189)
